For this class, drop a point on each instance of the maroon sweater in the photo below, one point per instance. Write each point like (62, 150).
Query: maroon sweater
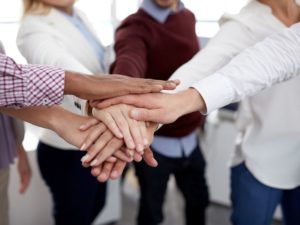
(148, 49)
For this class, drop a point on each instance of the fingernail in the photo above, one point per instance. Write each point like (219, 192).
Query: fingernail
(94, 162)
(131, 145)
(114, 174)
(146, 141)
(102, 177)
(85, 158)
(120, 135)
(130, 153)
(134, 113)
(82, 127)
(140, 148)
(156, 163)
(83, 147)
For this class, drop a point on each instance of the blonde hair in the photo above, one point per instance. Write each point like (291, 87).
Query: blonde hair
(35, 7)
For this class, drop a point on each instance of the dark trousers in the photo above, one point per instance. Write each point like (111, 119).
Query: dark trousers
(254, 203)
(77, 196)
(190, 178)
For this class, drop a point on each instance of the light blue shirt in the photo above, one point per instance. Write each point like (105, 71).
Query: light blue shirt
(169, 146)
(175, 147)
(89, 36)
(158, 13)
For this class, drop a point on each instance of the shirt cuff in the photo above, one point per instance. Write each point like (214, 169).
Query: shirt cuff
(45, 85)
(215, 91)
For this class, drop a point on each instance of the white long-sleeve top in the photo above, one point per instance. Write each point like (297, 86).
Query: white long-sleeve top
(269, 123)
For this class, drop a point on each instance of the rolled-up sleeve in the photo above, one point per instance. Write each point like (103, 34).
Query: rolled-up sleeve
(29, 85)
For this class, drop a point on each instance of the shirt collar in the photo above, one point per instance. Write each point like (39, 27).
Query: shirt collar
(157, 13)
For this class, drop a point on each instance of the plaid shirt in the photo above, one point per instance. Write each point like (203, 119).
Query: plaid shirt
(29, 85)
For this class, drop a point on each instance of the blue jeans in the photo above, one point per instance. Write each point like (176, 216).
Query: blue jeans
(254, 203)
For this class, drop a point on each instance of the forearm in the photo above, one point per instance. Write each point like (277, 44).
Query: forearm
(29, 85)
(41, 116)
(231, 39)
(271, 61)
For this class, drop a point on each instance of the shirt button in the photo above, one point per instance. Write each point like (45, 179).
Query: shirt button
(46, 101)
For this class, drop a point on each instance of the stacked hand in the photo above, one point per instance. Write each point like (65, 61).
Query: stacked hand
(121, 140)
(125, 136)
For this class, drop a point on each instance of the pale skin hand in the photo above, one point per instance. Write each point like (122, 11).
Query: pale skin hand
(64, 123)
(99, 153)
(105, 170)
(61, 121)
(160, 107)
(114, 170)
(117, 119)
(108, 86)
(24, 169)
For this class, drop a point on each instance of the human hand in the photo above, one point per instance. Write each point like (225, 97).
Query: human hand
(159, 107)
(108, 86)
(113, 170)
(117, 119)
(99, 153)
(24, 169)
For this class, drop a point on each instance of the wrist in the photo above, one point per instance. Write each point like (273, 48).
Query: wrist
(190, 101)
(72, 83)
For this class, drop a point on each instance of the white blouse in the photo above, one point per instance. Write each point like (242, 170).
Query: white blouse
(269, 140)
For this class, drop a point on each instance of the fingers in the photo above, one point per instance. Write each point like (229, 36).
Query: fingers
(123, 156)
(24, 183)
(123, 121)
(170, 84)
(152, 115)
(108, 170)
(149, 158)
(105, 172)
(136, 133)
(143, 129)
(91, 122)
(93, 136)
(112, 159)
(96, 148)
(118, 169)
(154, 85)
(96, 170)
(137, 157)
(113, 146)
(128, 99)
(109, 121)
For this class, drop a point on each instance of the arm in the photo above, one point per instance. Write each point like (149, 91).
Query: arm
(24, 169)
(231, 39)
(160, 107)
(63, 122)
(26, 85)
(131, 50)
(271, 61)
(274, 60)
(23, 164)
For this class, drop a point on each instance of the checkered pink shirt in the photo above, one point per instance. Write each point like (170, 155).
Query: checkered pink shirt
(29, 85)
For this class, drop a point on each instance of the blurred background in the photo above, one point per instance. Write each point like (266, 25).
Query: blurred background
(35, 207)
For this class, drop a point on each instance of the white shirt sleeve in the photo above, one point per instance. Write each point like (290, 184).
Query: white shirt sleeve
(274, 60)
(231, 39)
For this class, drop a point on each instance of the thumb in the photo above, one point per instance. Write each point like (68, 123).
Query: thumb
(149, 158)
(151, 115)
